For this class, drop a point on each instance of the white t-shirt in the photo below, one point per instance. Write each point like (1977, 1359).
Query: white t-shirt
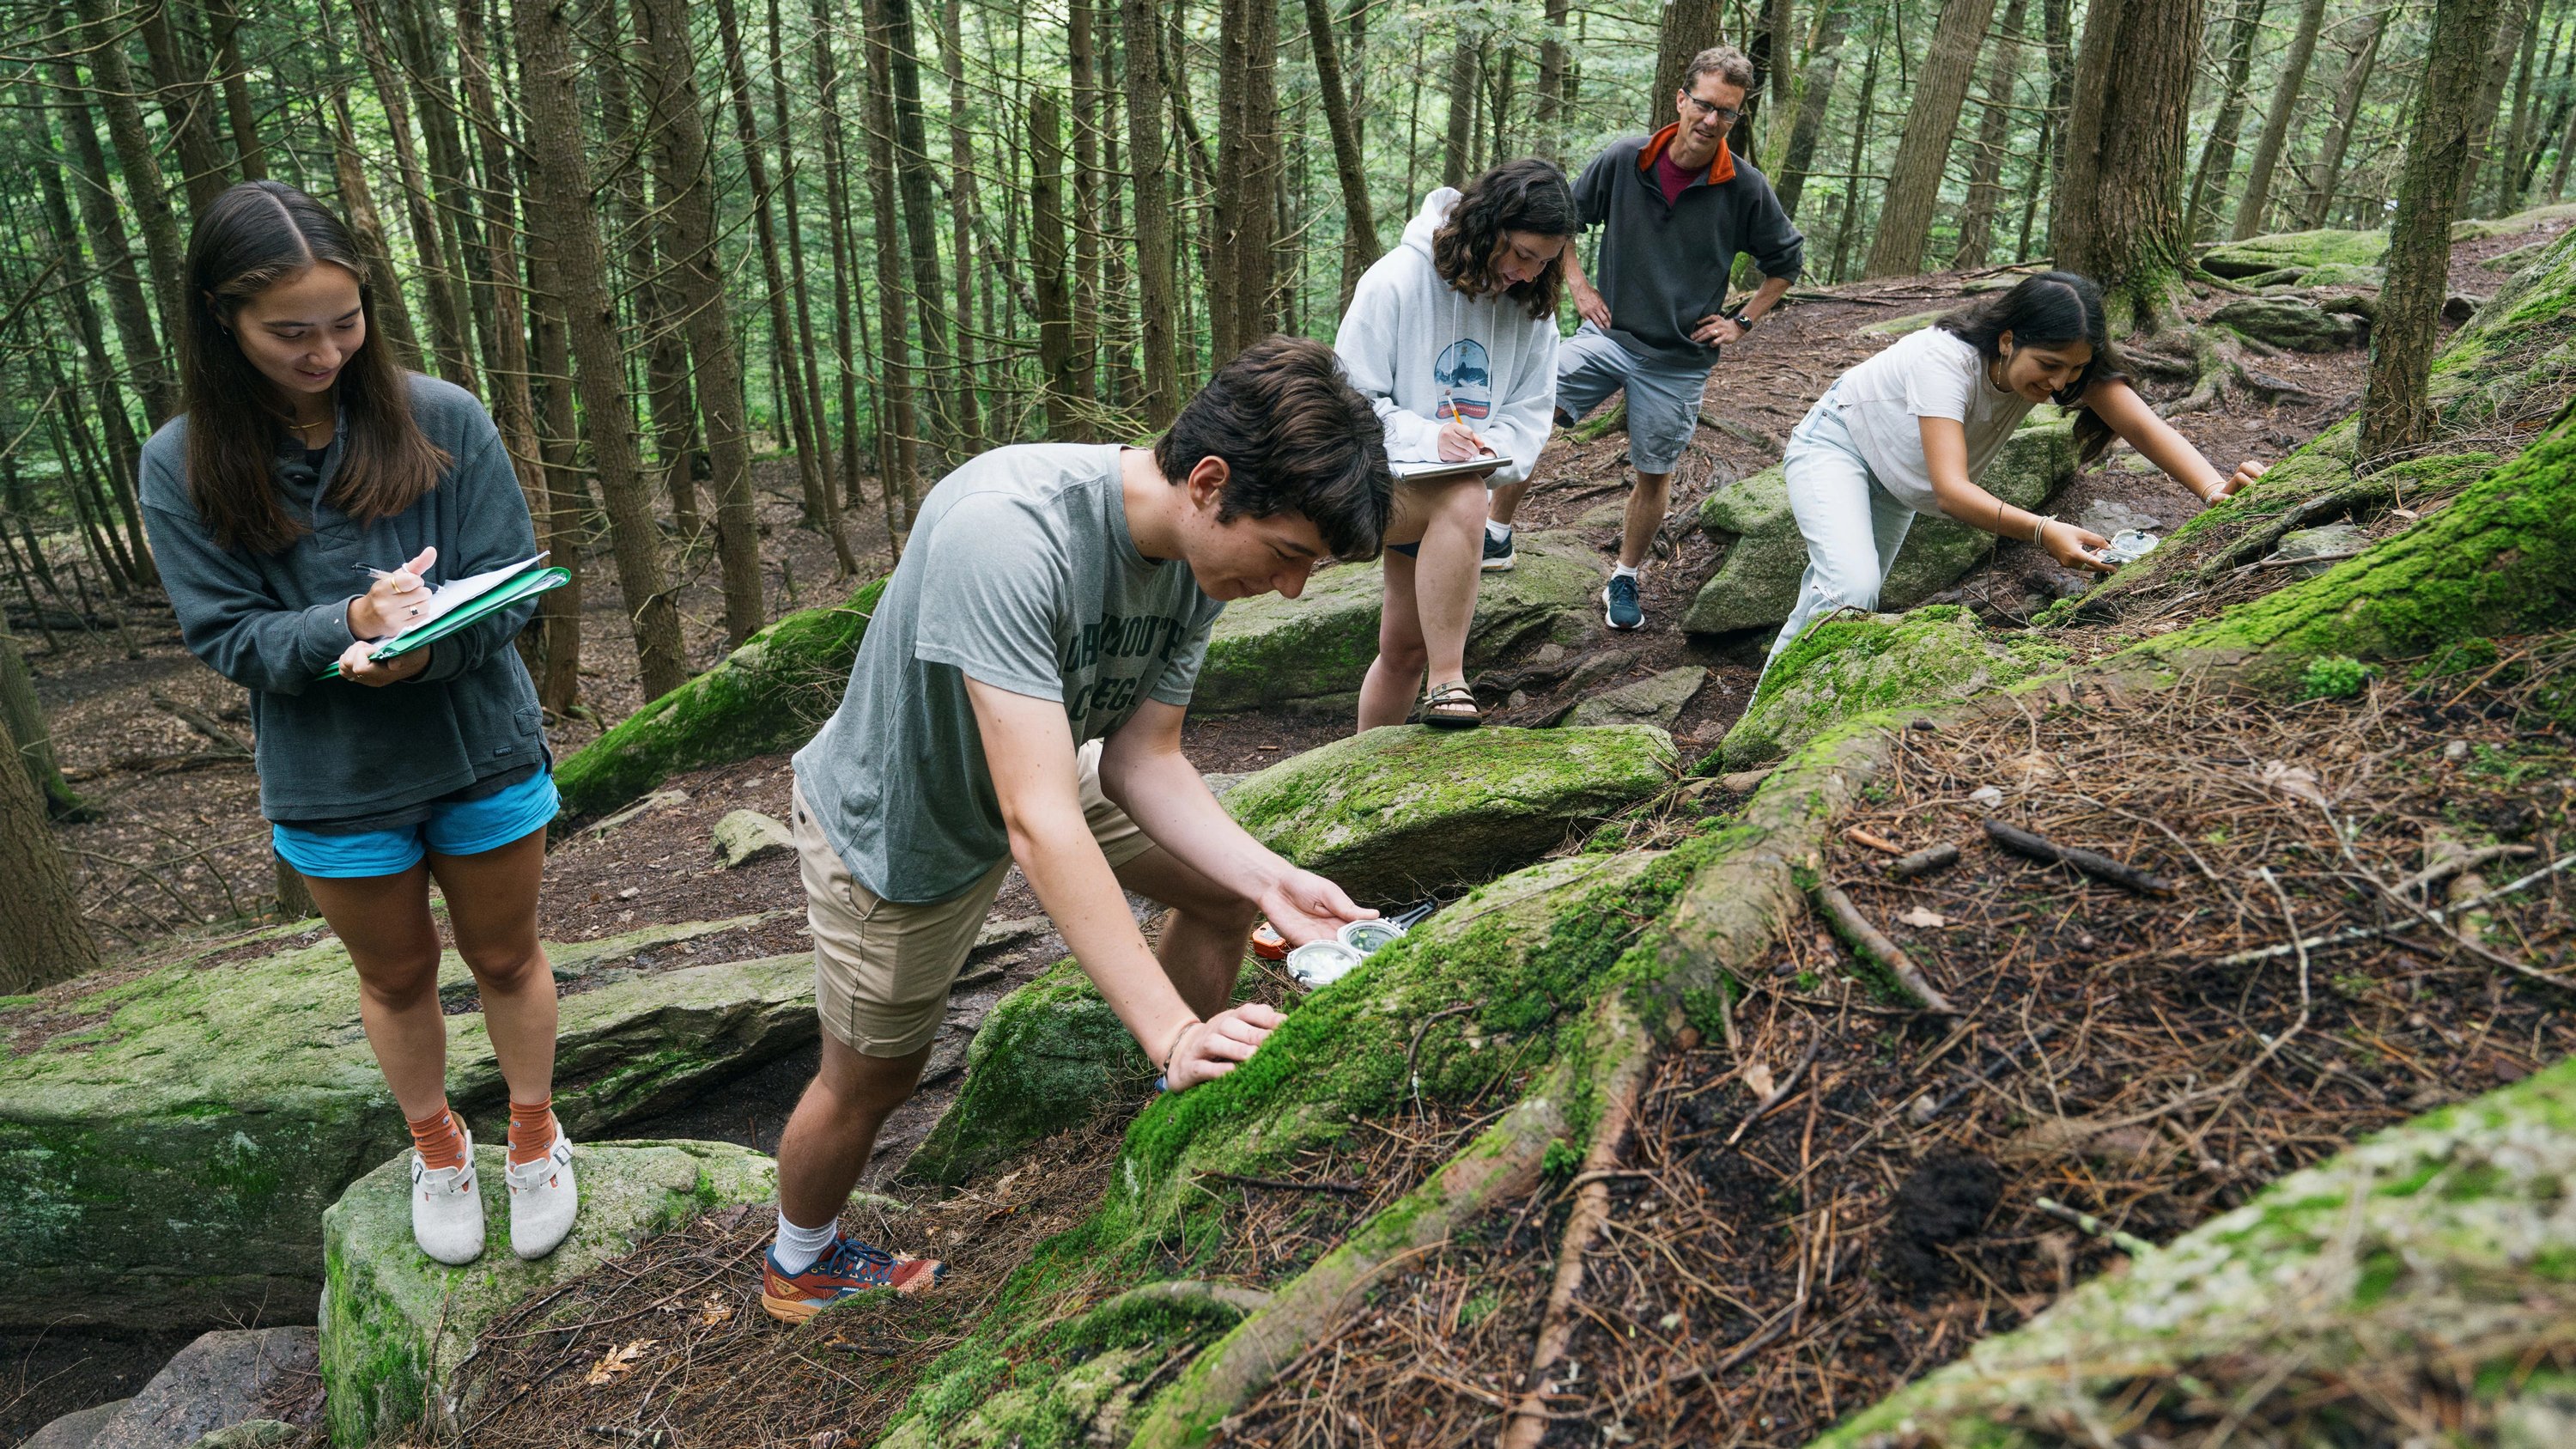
(1927, 374)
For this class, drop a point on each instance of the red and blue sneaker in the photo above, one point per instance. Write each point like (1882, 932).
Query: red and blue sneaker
(846, 1267)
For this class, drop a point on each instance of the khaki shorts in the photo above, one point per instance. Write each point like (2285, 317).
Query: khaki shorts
(882, 968)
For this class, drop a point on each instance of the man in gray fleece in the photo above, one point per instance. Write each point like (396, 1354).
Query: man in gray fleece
(1676, 207)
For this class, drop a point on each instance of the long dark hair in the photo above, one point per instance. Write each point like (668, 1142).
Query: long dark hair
(254, 236)
(2049, 309)
(1525, 195)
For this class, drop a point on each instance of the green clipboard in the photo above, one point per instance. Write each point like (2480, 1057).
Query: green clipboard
(536, 581)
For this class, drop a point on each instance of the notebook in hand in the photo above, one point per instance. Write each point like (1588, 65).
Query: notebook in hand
(1438, 471)
(458, 603)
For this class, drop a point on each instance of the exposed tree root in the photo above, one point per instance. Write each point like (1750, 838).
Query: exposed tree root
(2367, 495)
(1872, 945)
(1558, 1326)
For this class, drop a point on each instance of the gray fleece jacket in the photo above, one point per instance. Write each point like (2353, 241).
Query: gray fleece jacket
(332, 750)
(1662, 267)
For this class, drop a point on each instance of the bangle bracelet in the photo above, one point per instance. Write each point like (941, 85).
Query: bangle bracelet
(1173, 1048)
(2040, 527)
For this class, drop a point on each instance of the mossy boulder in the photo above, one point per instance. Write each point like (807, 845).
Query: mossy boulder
(2452, 1233)
(2290, 323)
(769, 695)
(2517, 350)
(238, 1098)
(1396, 812)
(396, 1325)
(1656, 701)
(2478, 229)
(1756, 583)
(1313, 650)
(1847, 665)
(2295, 250)
(1050, 1054)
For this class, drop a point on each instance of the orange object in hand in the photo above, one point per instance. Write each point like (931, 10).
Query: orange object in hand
(1268, 944)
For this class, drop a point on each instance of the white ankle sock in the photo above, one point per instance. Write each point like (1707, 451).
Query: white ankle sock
(1623, 571)
(799, 1247)
(1497, 531)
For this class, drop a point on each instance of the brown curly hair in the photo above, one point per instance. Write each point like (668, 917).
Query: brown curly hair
(1525, 195)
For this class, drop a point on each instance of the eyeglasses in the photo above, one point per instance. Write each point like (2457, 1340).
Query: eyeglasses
(1728, 114)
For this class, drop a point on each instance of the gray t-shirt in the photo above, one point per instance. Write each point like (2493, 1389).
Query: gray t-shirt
(1021, 573)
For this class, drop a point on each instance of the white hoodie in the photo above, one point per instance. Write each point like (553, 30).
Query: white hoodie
(1418, 348)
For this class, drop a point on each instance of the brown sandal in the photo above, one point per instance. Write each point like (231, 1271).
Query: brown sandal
(1441, 707)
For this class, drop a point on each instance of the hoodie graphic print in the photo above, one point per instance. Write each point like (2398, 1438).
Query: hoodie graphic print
(1422, 352)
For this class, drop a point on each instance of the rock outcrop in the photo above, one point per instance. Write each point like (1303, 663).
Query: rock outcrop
(240, 1381)
(1046, 1058)
(396, 1325)
(1396, 812)
(1312, 651)
(1854, 664)
(2290, 323)
(2294, 252)
(239, 1097)
(1756, 583)
(1657, 701)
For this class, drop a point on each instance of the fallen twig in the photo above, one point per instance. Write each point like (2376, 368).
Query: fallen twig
(1873, 945)
(201, 722)
(2128, 1243)
(1879, 843)
(2101, 867)
(1779, 1094)
(2443, 870)
(2437, 917)
(1925, 861)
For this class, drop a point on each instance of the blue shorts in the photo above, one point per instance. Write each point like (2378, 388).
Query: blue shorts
(1663, 399)
(468, 828)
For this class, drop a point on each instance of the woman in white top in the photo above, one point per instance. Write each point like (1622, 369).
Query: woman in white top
(1452, 337)
(1912, 430)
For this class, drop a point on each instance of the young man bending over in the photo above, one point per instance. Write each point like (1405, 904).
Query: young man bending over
(1019, 697)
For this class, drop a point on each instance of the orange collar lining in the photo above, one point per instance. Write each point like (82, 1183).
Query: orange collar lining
(1720, 170)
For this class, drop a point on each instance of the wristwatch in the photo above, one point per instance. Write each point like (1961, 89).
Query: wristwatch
(1742, 321)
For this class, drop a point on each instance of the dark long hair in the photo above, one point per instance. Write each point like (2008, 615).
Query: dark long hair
(254, 236)
(1525, 195)
(2049, 309)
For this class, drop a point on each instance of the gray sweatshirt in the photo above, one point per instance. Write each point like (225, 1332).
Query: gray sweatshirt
(333, 750)
(1662, 268)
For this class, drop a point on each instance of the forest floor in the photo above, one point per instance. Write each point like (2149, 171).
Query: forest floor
(180, 851)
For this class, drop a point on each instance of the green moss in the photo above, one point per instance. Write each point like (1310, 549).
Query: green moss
(2333, 676)
(1849, 665)
(765, 696)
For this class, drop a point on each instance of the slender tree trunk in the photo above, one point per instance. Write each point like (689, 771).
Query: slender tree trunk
(2058, 29)
(1456, 165)
(1853, 180)
(920, 211)
(809, 371)
(1986, 168)
(367, 228)
(2119, 217)
(42, 937)
(1359, 222)
(2276, 121)
(961, 221)
(112, 256)
(2347, 106)
(1551, 81)
(1082, 60)
(2509, 180)
(446, 330)
(1047, 261)
(1689, 27)
(845, 249)
(114, 90)
(105, 396)
(1815, 93)
(2566, 153)
(818, 492)
(1242, 295)
(2218, 152)
(2394, 418)
(186, 105)
(1777, 64)
(22, 717)
(1914, 187)
(2537, 150)
(899, 451)
(421, 51)
(564, 228)
(1157, 284)
(673, 115)
(2507, 38)
(250, 158)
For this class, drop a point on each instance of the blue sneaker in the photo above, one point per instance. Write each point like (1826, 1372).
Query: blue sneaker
(1621, 610)
(1498, 553)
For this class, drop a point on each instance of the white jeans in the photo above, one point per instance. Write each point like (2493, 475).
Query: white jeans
(1853, 526)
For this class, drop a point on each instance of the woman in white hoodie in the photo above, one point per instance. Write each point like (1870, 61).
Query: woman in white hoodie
(1452, 336)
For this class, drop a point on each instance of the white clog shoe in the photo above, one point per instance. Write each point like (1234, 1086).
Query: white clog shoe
(447, 1207)
(543, 1199)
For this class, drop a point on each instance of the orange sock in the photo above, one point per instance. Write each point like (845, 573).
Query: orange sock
(439, 1141)
(532, 1131)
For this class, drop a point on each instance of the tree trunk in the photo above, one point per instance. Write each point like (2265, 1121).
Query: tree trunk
(2509, 180)
(367, 229)
(560, 193)
(1081, 59)
(819, 511)
(42, 937)
(250, 158)
(2347, 106)
(514, 408)
(2058, 28)
(22, 716)
(672, 115)
(2276, 121)
(961, 221)
(2536, 149)
(109, 252)
(1923, 156)
(920, 212)
(899, 448)
(2505, 40)
(1778, 65)
(1047, 262)
(446, 330)
(1463, 56)
(2218, 152)
(2566, 153)
(1986, 168)
(113, 89)
(1815, 93)
(1157, 281)
(2438, 149)
(810, 366)
(845, 248)
(2118, 216)
(1853, 180)
(1551, 81)
(1689, 27)
(421, 51)
(1240, 260)
(186, 105)
(1359, 222)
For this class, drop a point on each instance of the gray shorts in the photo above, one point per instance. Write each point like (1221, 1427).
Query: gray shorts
(1663, 400)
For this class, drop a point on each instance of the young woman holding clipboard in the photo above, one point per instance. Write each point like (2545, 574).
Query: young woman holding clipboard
(308, 458)
(1452, 338)
(1912, 430)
